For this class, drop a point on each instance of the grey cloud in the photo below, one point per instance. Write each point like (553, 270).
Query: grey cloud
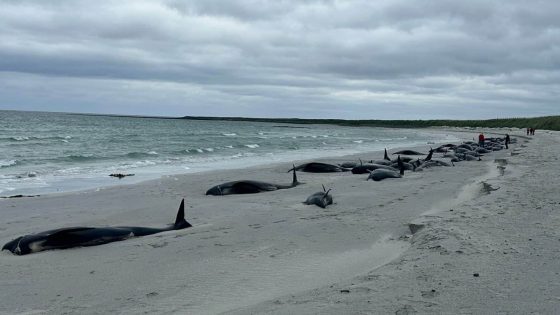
(447, 56)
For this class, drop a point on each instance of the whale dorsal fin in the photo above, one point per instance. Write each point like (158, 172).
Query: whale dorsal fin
(180, 213)
(429, 157)
(294, 177)
(386, 156)
(401, 165)
(180, 222)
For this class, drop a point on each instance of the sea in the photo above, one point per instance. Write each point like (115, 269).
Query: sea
(43, 152)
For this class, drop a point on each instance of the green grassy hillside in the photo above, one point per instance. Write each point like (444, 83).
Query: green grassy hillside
(540, 123)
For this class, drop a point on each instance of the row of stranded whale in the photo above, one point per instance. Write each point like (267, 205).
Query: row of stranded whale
(377, 169)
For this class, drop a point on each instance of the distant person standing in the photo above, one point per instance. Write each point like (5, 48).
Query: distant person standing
(532, 131)
(528, 131)
(508, 141)
(481, 139)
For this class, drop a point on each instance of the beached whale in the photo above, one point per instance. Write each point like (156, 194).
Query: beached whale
(408, 152)
(380, 174)
(320, 198)
(318, 167)
(249, 187)
(349, 164)
(366, 168)
(87, 236)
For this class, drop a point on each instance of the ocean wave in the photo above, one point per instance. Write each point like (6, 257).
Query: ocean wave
(229, 134)
(143, 163)
(137, 164)
(80, 157)
(7, 163)
(28, 138)
(138, 155)
(30, 174)
(358, 141)
(393, 139)
(15, 138)
(252, 146)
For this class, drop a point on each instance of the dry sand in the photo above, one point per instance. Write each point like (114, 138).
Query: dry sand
(269, 253)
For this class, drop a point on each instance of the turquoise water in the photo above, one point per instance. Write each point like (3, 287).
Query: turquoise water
(53, 152)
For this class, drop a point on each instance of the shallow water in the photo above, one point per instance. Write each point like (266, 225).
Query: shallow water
(52, 152)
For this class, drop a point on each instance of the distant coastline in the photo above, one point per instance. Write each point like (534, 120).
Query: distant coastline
(546, 122)
(541, 123)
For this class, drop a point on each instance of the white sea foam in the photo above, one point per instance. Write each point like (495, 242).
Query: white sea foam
(6, 163)
(252, 146)
(358, 141)
(143, 163)
(229, 134)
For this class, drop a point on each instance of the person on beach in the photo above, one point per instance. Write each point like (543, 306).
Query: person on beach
(507, 141)
(532, 131)
(481, 139)
(528, 131)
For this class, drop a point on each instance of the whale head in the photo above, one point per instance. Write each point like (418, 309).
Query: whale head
(21, 245)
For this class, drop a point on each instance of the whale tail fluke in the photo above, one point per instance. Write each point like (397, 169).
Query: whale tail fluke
(180, 222)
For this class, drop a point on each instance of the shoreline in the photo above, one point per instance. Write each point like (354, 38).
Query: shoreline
(148, 174)
(240, 248)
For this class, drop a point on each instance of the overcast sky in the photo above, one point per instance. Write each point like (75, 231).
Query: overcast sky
(386, 59)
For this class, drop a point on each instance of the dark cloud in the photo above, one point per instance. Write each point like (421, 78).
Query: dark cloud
(341, 59)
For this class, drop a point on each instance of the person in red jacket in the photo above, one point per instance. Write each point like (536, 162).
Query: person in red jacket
(481, 139)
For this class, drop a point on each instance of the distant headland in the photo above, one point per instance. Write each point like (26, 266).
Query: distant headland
(541, 123)
(546, 122)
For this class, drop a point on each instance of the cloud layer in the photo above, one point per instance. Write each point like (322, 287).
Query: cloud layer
(321, 59)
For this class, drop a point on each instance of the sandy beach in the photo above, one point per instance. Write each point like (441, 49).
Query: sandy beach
(487, 243)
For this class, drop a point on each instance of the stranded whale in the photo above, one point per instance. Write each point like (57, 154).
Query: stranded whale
(318, 167)
(408, 152)
(87, 236)
(249, 187)
(320, 198)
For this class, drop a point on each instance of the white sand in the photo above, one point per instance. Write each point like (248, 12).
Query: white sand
(269, 253)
